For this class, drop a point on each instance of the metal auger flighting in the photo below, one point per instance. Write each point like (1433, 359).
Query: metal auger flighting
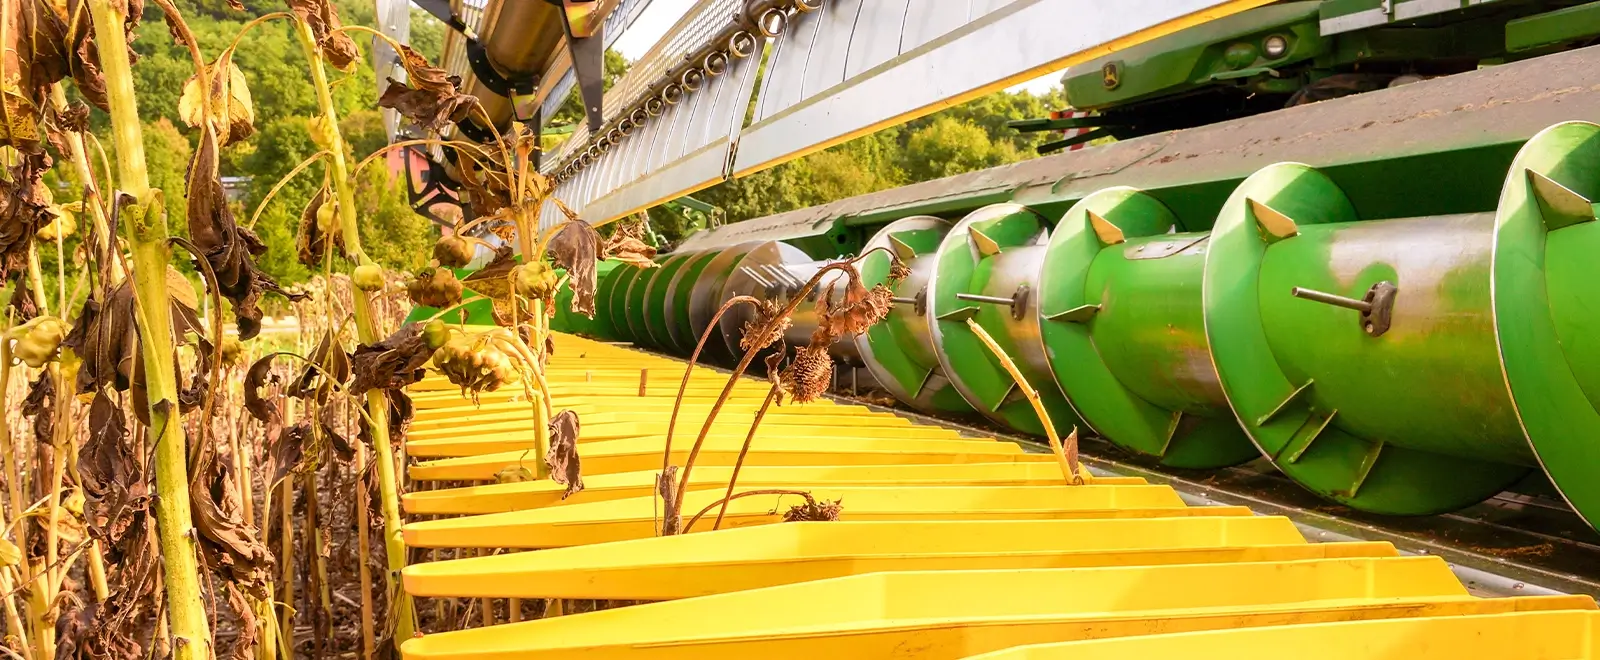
(1399, 365)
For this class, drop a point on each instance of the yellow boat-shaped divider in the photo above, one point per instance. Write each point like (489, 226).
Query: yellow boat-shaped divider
(940, 615)
(946, 546)
(633, 408)
(638, 517)
(519, 496)
(645, 454)
(688, 565)
(1542, 635)
(474, 441)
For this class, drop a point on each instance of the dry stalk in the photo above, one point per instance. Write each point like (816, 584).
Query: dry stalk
(1070, 469)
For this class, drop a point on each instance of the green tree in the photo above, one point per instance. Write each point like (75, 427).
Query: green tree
(427, 35)
(392, 234)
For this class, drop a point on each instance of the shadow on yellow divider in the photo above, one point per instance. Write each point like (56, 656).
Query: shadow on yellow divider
(1546, 635)
(638, 454)
(637, 517)
(499, 498)
(953, 614)
(687, 565)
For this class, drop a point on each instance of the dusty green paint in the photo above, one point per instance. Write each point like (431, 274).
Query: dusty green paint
(1552, 28)
(967, 362)
(617, 303)
(633, 306)
(1193, 58)
(655, 299)
(1359, 472)
(901, 356)
(1549, 357)
(1141, 360)
(681, 285)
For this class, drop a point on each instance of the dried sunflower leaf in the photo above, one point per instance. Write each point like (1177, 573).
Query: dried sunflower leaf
(230, 249)
(232, 112)
(433, 99)
(576, 248)
(563, 455)
(323, 20)
(391, 364)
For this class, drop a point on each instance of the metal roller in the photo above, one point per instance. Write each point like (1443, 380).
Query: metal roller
(777, 275)
(1121, 316)
(899, 350)
(634, 305)
(705, 296)
(987, 268)
(676, 301)
(1361, 357)
(655, 306)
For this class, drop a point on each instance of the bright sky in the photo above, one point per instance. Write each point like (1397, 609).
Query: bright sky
(660, 16)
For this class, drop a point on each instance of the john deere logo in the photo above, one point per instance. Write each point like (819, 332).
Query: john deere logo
(1111, 75)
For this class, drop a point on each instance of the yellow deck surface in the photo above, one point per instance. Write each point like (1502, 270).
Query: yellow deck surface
(948, 545)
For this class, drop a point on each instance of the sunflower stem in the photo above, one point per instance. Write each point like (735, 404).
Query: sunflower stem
(369, 333)
(1069, 470)
(147, 233)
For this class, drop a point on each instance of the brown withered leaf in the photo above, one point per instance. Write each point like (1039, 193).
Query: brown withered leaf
(40, 404)
(1069, 447)
(232, 113)
(391, 364)
(230, 249)
(114, 487)
(766, 328)
(32, 59)
(493, 281)
(244, 643)
(774, 362)
(814, 511)
(629, 250)
(107, 340)
(135, 593)
(219, 517)
(432, 100)
(323, 19)
(283, 451)
(255, 378)
(24, 207)
(401, 412)
(311, 241)
(859, 309)
(563, 456)
(332, 370)
(576, 248)
(75, 638)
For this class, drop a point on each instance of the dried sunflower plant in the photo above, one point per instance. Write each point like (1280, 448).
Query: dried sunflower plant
(145, 514)
(802, 376)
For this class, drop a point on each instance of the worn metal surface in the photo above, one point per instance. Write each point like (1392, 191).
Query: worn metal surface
(1462, 131)
(905, 59)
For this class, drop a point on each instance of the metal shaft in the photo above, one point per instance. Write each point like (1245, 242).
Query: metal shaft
(1332, 299)
(974, 297)
(903, 300)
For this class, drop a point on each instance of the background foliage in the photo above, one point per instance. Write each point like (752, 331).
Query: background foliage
(960, 139)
